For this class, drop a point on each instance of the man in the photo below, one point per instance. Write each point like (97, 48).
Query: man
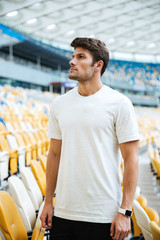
(90, 127)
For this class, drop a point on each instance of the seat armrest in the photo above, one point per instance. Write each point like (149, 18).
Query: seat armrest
(29, 234)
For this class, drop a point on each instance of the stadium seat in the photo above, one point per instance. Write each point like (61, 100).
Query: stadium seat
(28, 142)
(142, 220)
(43, 161)
(41, 143)
(142, 201)
(137, 192)
(4, 162)
(136, 229)
(28, 148)
(152, 214)
(11, 223)
(39, 175)
(155, 230)
(23, 202)
(21, 150)
(32, 187)
(13, 154)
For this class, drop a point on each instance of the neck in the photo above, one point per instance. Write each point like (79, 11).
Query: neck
(88, 88)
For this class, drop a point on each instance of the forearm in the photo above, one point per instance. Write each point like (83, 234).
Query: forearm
(130, 179)
(51, 175)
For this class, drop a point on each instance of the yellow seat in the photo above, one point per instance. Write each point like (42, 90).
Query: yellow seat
(2, 127)
(43, 161)
(11, 223)
(152, 214)
(39, 175)
(155, 230)
(13, 154)
(143, 202)
(28, 148)
(28, 142)
(38, 233)
(41, 143)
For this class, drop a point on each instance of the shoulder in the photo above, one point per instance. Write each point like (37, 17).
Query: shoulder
(63, 97)
(60, 101)
(117, 97)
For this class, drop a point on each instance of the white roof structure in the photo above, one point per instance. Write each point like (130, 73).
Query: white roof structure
(130, 28)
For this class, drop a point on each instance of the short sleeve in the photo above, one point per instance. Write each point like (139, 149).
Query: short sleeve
(126, 123)
(53, 127)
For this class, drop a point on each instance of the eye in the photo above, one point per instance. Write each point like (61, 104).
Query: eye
(81, 56)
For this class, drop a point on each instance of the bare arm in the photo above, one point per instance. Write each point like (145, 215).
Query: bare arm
(51, 180)
(120, 227)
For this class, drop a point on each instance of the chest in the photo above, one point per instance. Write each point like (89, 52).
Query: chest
(91, 115)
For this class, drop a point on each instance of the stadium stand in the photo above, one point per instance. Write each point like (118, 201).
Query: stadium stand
(11, 223)
(29, 68)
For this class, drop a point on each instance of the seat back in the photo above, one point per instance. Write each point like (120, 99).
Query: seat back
(43, 161)
(39, 175)
(23, 202)
(32, 187)
(4, 161)
(38, 233)
(143, 202)
(4, 143)
(11, 223)
(152, 214)
(20, 140)
(142, 220)
(2, 127)
(12, 142)
(10, 127)
(137, 192)
(155, 230)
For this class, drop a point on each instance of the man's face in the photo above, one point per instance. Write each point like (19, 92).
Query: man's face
(81, 65)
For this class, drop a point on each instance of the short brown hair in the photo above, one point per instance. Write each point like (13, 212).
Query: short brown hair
(97, 48)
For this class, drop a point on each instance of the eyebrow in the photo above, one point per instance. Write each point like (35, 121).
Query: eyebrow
(79, 54)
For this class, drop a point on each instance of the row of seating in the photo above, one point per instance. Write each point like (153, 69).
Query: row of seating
(28, 193)
(19, 148)
(144, 220)
(153, 153)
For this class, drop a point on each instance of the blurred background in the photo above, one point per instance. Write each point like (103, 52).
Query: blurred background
(35, 51)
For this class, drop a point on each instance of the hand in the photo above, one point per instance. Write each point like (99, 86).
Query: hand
(46, 216)
(120, 227)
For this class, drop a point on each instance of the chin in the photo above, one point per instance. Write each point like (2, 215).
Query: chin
(70, 76)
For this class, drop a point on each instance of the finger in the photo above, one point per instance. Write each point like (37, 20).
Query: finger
(112, 230)
(122, 236)
(43, 220)
(116, 234)
(49, 220)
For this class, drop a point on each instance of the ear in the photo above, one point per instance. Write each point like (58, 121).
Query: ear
(98, 65)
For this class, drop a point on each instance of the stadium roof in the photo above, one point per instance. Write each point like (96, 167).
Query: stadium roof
(126, 26)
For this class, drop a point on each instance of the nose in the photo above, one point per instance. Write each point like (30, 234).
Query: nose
(72, 62)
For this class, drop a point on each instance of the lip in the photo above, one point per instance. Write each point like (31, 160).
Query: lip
(73, 69)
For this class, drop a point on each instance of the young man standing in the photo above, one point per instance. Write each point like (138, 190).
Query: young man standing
(90, 127)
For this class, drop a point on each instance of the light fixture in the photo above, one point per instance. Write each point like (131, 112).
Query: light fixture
(131, 43)
(71, 32)
(36, 5)
(151, 45)
(91, 36)
(12, 14)
(110, 40)
(51, 26)
(31, 21)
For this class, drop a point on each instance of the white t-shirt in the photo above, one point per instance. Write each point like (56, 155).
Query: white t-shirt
(91, 128)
